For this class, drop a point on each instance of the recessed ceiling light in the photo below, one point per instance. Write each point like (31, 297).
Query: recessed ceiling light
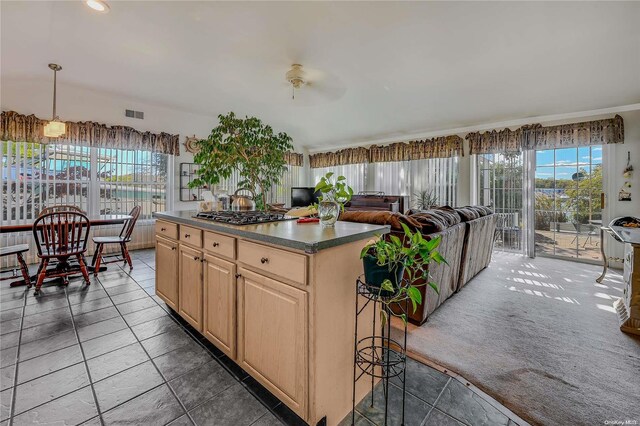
(98, 5)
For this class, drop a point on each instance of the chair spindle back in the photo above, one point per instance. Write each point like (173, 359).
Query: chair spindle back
(63, 233)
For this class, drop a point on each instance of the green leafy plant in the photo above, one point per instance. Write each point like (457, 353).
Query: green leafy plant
(413, 253)
(336, 190)
(246, 145)
(424, 200)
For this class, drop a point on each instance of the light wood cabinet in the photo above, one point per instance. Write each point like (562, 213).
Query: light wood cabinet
(272, 336)
(284, 315)
(190, 296)
(220, 304)
(167, 271)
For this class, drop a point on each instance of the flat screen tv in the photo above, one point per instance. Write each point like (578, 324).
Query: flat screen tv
(303, 196)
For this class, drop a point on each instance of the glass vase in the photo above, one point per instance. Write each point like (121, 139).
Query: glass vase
(328, 211)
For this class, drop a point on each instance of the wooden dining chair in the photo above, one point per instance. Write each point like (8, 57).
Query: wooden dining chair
(122, 240)
(18, 251)
(61, 236)
(60, 208)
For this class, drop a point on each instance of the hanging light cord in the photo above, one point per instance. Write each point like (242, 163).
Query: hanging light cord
(55, 84)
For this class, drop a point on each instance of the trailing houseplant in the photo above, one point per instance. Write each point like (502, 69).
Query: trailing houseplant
(246, 145)
(387, 261)
(334, 195)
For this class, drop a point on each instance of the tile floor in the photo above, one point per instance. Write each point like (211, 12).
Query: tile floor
(114, 353)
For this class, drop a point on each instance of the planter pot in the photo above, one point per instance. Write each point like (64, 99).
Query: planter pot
(374, 276)
(328, 211)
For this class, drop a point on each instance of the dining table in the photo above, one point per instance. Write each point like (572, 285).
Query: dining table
(99, 220)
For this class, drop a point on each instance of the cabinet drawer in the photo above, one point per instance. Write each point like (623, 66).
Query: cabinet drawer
(191, 236)
(167, 229)
(220, 245)
(284, 264)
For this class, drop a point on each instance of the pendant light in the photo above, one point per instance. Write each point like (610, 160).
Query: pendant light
(54, 128)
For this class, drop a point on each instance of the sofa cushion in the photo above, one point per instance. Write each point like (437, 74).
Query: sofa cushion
(467, 214)
(449, 214)
(430, 221)
(381, 218)
(481, 210)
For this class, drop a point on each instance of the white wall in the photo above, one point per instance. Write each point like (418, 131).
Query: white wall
(83, 104)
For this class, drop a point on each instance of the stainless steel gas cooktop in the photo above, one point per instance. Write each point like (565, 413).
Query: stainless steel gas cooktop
(243, 218)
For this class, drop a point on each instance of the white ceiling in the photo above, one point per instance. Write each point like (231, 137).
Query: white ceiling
(390, 68)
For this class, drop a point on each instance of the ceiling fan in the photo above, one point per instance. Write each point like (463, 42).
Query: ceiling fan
(319, 84)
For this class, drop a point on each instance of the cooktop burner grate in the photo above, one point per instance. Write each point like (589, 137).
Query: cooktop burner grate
(243, 218)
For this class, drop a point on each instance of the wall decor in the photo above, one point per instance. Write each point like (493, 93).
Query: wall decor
(190, 144)
(188, 172)
(627, 173)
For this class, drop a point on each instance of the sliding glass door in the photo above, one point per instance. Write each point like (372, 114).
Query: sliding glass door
(499, 180)
(568, 213)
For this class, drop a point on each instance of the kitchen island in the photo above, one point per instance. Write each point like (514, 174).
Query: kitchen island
(278, 298)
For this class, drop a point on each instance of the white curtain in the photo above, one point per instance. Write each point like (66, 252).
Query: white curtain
(439, 175)
(281, 193)
(392, 178)
(356, 175)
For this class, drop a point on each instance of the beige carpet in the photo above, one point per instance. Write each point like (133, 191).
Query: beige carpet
(541, 337)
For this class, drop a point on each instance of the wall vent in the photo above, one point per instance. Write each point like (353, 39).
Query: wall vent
(134, 114)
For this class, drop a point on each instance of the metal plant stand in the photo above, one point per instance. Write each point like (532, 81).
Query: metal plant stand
(378, 356)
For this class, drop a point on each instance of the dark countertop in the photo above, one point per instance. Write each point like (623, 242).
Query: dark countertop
(309, 237)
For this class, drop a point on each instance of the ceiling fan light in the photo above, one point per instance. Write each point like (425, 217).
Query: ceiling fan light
(54, 129)
(296, 76)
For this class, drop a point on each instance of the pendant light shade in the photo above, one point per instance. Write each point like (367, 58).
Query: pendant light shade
(54, 128)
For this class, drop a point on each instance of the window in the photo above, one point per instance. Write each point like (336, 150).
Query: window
(568, 212)
(99, 181)
(499, 186)
(129, 178)
(392, 178)
(356, 175)
(437, 175)
(282, 193)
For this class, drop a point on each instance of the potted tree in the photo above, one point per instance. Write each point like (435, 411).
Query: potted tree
(334, 195)
(246, 145)
(387, 261)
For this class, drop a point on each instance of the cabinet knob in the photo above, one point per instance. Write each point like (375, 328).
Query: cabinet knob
(238, 276)
(203, 260)
(163, 229)
(264, 260)
(173, 248)
(196, 257)
(187, 235)
(216, 244)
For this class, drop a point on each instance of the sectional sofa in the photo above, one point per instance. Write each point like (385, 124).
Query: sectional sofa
(467, 242)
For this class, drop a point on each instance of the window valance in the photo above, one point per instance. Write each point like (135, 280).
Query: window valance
(339, 158)
(597, 132)
(29, 128)
(536, 136)
(294, 159)
(441, 147)
(492, 142)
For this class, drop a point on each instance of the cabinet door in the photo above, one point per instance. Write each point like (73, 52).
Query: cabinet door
(190, 296)
(272, 337)
(220, 304)
(167, 271)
